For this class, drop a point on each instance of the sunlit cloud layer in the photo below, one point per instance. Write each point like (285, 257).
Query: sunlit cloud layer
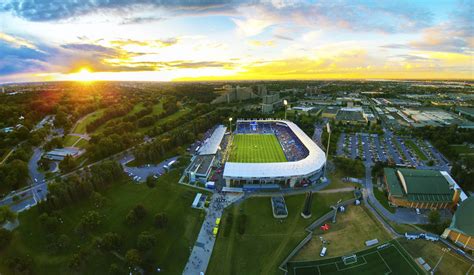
(159, 40)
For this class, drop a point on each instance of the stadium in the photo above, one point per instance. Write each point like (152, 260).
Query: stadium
(271, 154)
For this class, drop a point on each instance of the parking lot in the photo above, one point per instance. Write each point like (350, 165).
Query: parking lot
(398, 150)
(140, 173)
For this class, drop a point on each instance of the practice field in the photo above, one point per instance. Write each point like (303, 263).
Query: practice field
(256, 148)
(384, 259)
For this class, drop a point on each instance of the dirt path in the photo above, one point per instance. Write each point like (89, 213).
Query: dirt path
(339, 190)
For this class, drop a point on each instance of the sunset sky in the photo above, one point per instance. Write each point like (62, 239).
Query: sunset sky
(163, 40)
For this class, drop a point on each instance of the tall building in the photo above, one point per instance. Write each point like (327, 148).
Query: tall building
(269, 102)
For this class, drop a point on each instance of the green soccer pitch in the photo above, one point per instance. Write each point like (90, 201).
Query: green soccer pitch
(256, 148)
(385, 259)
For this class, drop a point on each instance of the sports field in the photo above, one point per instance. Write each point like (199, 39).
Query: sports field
(256, 148)
(384, 259)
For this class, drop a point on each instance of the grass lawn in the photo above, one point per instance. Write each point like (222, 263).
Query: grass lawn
(452, 263)
(266, 240)
(256, 148)
(81, 127)
(336, 182)
(462, 149)
(414, 148)
(70, 140)
(347, 235)
(382, 198)
(178, 114)
(173, 242)
(83, 143)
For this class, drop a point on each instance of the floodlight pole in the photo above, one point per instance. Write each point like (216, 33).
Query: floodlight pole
(327, 149)
(286, 104)
(230, 124)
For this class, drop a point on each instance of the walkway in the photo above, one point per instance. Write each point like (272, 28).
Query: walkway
(202, 250)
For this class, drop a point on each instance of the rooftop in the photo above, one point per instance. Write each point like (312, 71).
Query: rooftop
(418, 185)
(463, 221)
(211, 145)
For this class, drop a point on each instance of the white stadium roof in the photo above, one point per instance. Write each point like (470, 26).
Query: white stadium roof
(211, 145)
(313, 162)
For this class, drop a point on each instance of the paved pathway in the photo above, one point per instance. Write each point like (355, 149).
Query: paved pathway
(202, 250)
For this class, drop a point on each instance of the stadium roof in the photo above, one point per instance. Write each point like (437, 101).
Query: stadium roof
(419, 185)
(211, 145)
(314, 161)
(462, 219)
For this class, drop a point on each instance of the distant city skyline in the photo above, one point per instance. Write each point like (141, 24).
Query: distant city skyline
(167, 40)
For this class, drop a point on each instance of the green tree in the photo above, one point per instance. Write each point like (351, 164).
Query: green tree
(150, 181)
(434, 217)
(133, 258)
(146, 240)
(67, 164)
(161, 220)
(6, 214)
(5, 238)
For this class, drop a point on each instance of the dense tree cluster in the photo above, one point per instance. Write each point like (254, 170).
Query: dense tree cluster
(64, 192)
(442, 139)
(185, 132)
(350, 167)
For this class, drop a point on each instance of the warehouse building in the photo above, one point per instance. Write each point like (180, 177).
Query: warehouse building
(420, 189)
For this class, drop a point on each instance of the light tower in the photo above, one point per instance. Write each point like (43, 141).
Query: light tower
(286, 104)
(327, 148)
(230, 124)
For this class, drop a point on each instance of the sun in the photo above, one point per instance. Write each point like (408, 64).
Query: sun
(84, 75)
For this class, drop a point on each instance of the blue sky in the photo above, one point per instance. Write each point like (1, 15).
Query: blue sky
(200, 40)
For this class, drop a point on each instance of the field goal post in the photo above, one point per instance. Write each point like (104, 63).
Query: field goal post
(349, 259)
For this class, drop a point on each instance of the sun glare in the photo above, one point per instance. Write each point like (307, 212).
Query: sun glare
(84, 75)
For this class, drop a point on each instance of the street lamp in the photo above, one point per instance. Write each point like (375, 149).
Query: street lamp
(327, 148)
(230, 124)
(286, 104)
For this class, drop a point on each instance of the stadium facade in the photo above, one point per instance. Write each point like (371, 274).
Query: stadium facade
(304, 165)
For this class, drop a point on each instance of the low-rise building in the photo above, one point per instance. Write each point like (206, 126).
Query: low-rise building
(461, 229)
(60, 153)
(420, 189)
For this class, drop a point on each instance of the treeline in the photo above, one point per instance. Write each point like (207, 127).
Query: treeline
(350, 167)
(77, 188)
(442, 138)
(112, 112)
(184, 133)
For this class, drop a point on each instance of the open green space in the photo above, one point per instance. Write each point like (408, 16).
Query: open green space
(170, 253)
(383, 199)
(391, 259)
(252, 241)
(462, 149)
(335, 180)
(136, 108)
(176, 115)
(348, 234)
(414, 148)
(70, 140)
(80, 127)
(256, 148)
(451, 263)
